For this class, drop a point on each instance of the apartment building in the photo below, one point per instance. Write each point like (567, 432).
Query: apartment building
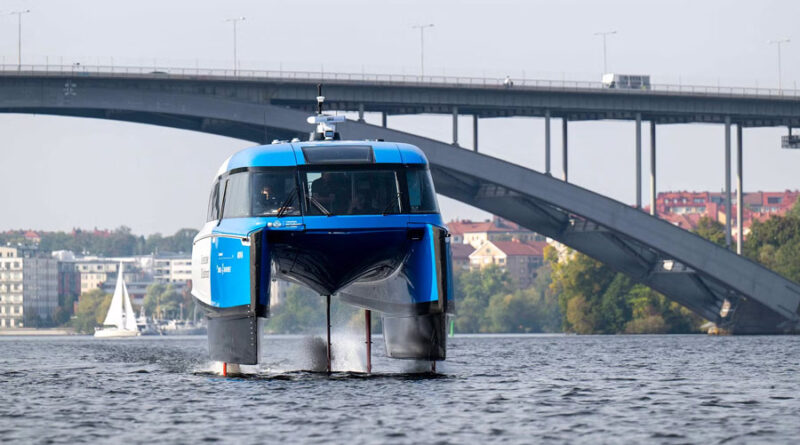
(28, 285)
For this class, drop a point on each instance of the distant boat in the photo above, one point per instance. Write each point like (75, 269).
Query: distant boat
(182, 327)
(120, 320)
(145, 324)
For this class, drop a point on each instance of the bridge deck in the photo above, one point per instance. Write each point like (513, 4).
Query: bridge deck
(404, 94)
(683, 266)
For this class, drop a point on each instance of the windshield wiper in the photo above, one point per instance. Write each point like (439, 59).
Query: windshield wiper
(319, 206)
(392, 203)
(285, 205)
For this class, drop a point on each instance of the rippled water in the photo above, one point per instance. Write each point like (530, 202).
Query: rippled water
(518, 389)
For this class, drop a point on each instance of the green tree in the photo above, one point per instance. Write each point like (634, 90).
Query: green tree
(578, 316)
(711, 230)
(515, 312)
(529, 310)
(586, 280)
(549, 309)
(473, 290)
(596, 300)
(163, 301)
(91, 311)
(301, 311)
(64, 311)
(181, 241)
(794, 212)
(61, 316)
(775, 243)
(119, 242)
(653, 313)
(31, 319)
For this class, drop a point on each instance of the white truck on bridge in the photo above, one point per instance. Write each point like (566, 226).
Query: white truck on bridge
(626, 81)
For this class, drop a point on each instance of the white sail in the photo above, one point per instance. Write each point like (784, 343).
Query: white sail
(115, 311)
(130, 317)
(120, 313)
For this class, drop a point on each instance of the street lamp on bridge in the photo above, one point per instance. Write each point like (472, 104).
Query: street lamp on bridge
(235, 21)
(19, 15)
(605, 34)
(422, 47)
(779, 42)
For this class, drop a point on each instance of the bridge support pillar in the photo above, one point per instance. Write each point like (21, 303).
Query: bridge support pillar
(475, 131)
(455, 126)
(638, 160)
(727, 194)
(739, 192)
(547, 142)
(564, 157)
(361, 112)
(383, 119)
(652, 167)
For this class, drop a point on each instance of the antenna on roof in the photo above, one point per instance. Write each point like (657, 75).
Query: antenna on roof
(326, 125)
(320, 98)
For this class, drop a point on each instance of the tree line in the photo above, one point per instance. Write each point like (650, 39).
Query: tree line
(118, 242)
(579, 294)
(162, 301)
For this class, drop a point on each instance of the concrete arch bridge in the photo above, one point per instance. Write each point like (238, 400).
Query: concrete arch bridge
(712, 281)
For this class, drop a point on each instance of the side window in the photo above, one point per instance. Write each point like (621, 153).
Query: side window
(213, 203)
(237, 196)
(421, 195)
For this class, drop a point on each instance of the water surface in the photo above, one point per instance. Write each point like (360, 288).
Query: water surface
(515, 389)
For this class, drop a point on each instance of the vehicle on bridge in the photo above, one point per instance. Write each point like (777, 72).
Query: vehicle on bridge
(626, 81)
(357, 220)
(790, 141)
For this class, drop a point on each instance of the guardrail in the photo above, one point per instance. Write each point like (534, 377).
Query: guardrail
(402, 79)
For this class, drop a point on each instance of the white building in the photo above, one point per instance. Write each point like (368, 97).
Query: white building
(27, 285)
(94, 272)
(521, 259)
(498, 229)
(180, 270)
(172, 269)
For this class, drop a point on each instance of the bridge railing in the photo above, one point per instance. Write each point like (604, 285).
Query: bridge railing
(395, 79)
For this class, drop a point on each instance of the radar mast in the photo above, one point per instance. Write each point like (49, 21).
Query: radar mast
(326, 124)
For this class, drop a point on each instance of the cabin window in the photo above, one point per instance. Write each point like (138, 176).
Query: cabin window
(275, 192)
(351, 192)
(338, 154)
(237, 196)
(213, 203)
(421, 195)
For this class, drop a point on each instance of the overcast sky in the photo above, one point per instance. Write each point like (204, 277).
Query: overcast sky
(57, 173)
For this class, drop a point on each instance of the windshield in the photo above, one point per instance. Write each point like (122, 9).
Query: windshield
(351, 192)
(274, 192)
(326, 191)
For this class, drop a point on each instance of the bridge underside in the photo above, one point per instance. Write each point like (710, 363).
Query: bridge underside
(695, 290)
(715, 283)
(239, 130)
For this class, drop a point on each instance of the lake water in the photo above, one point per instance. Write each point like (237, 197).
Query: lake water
(514, 389)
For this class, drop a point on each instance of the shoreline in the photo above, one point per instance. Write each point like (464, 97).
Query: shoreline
(36, 332)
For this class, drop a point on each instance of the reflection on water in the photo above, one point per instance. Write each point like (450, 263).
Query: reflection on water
(522, 389)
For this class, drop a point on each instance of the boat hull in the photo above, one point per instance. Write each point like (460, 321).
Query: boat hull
(115, 333)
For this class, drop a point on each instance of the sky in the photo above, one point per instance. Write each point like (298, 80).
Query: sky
(58, 173)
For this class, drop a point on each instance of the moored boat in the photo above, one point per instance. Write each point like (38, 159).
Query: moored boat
(120, 320)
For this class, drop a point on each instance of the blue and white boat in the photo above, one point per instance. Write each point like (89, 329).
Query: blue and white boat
(354, 220)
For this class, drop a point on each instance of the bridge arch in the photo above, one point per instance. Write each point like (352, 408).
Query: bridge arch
(686, 268)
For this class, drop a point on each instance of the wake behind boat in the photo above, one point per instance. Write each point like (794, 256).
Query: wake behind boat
(120, 320)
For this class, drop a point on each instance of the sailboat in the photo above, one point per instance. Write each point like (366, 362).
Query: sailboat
(120, 320)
